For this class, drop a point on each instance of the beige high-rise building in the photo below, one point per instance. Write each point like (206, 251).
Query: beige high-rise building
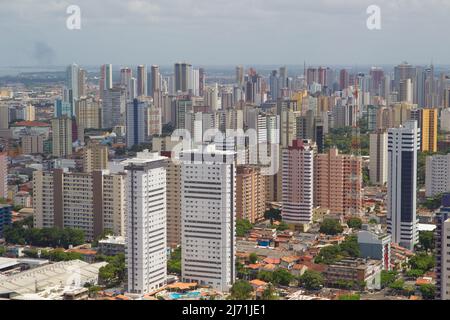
(338, 182)
(250, 193)
(173, 201)
(92, 202)
(87, 113)
(32, 144)
(95, 157)
(62, 136)
(378, 158)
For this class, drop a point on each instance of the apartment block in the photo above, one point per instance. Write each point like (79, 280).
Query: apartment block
(146, 236)
(338, 182)
(298, 182)
(93, 202)
(250, 193)
(437, 175)
(208, 217)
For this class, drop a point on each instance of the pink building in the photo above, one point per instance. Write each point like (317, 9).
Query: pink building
(338, 182)
(297, 182)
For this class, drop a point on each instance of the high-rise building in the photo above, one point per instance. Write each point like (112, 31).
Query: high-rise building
(5, 217)
(297, 182)
(442, 237)
(3, 175)
(240, 76)
(402, 72)
(146, 236)
(173, 186)
(106, 82)
(338, 182)
(126, 76)
(141, 80)
(61, 136)
(406, 91)
(4, 116)
(137, 121)
(437, 175)
(73, 82)
(208, 182)
(32, 143)
(114, 107)
(92, 202)
(88, 114)
(155, 80)
(378, 157)
(182, 76)
(95, 157)
(445, 120)
(250, 193)
(429, 129)
(403, 144)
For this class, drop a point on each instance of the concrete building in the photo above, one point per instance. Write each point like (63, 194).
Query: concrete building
(95, 157)
(5, 217)
(355, 270)
(137, 121)
(208, 217)
(445, 119)
(62, 137)
(88, 115)
(146, 235)
(93, 202)
(113, 107)
(403, 144)
(338, 182)
(32, 144)
(112, 245)
(250, 193)
(442, 251)
(378, 158)
(173, 185)
(429, 129)
(437, 175)
(298, 183)
(375, 244)
(3, 175)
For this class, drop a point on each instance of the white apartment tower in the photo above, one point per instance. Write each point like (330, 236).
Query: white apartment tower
(403, 144)
(437, 175)
(146, 242)
(208, 180)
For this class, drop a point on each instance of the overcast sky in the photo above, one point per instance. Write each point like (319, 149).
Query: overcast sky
(224, 32)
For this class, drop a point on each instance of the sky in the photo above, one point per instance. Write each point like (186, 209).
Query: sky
(224, 32)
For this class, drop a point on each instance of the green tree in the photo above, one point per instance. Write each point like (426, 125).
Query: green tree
(269, 293)
(113, 274)
(355, 223)
(311, 280)
(174, 263)
(422, 261)
(241, 290)
(282, 277)
(415, 273)
(350, 297)
(273, 214)
(387, 278)
(426, 240)
(264, 275)
(331, 227)
(242, 227)
(397, 286)
(253, 258)
(428, 291)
